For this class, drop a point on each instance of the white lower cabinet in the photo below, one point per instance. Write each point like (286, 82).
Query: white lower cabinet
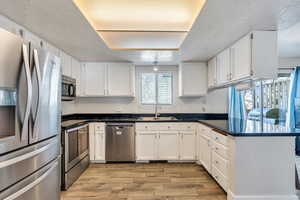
(146, 146)
(213, 154)
(205, 152)
(187, 145)
(168, 146)
(165, 142)
(97, 142)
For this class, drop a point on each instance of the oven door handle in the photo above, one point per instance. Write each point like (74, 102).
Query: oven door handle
(32, 184)
(76, 128)
(12, 161)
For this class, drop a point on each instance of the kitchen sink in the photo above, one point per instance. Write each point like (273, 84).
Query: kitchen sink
(157, 119)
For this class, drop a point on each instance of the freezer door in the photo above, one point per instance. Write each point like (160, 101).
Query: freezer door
(20, 164)
(42, 185)
(46, 80)
(15, 92)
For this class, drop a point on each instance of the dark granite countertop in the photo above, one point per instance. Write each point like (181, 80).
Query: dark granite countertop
(232, 127)
(240, 127)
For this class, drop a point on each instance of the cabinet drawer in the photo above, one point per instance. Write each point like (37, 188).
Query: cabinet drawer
(220, 149)
(205, 131)
(168, 126)
(147, 126)
(99, 126)
(219, 138)
(220, 163)
(220, 178)
(186, 127)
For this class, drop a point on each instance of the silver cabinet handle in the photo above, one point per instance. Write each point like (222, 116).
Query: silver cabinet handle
(31, 185)
(12, 161)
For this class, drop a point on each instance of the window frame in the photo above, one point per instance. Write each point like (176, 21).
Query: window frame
(156, 88)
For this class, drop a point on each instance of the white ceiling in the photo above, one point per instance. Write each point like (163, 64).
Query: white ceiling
(220, 23)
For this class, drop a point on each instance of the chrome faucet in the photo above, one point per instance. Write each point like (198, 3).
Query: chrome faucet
(156, 112)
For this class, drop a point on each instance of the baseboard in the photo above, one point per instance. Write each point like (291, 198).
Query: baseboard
(142, 161)
(98, 161)
(231, 196)
(181, 161)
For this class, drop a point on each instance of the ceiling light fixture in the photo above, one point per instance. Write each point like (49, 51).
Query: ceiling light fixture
(141, 24)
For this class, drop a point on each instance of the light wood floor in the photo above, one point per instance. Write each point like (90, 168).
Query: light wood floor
(144, 182)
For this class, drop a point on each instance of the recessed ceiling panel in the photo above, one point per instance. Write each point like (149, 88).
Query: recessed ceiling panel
(162, 22)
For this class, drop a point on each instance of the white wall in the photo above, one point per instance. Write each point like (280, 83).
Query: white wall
(214, 102)
(289, 62)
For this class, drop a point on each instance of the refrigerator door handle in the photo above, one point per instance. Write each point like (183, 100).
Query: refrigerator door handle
(15, 160)
(36, 67)
(29, 91)
(32, 184)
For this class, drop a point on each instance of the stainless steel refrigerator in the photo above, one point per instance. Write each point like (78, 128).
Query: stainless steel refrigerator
(29, 121)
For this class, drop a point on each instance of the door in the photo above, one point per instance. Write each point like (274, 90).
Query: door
(46, 84)
(120, 78)
(146, 145)
(168, 146)
(212, 65)
(187, 145)
(241, 58)
(99, 146)
(15, 92)
(43, 184)
(223, 67)
(205, 153)
(95, 79)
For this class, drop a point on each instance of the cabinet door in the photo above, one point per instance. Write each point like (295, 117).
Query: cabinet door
(76, 73)
(192, 79)
(223, 67)
(168, 146)
(120, 79)
(146, 146)
(205, 153)
(99, 145)
(95, 78)
(241, 58)
(212, 79)
(187, 145)
(66, 64)
(92, 141)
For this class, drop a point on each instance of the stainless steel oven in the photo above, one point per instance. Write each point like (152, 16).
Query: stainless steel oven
(75, 154)
(68, 88)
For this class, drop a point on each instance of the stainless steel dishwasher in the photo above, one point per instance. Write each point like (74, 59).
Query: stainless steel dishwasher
(120, 142)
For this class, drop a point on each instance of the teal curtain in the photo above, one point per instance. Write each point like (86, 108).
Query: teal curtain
(236, 108)
(294, 100)
(293, 112)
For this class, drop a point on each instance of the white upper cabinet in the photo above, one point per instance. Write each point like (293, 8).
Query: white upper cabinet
(255, 56)
(94, 75)
(241, 58)
(212, 72)
(192, 79)
(76, 73)
(108, 79)
(223, 67)
(120, 79)
(66, 64)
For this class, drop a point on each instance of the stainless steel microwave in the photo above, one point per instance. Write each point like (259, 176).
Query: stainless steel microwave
(68, 91)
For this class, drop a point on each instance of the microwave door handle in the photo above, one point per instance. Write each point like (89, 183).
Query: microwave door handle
(36, 67)
(25, 64)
